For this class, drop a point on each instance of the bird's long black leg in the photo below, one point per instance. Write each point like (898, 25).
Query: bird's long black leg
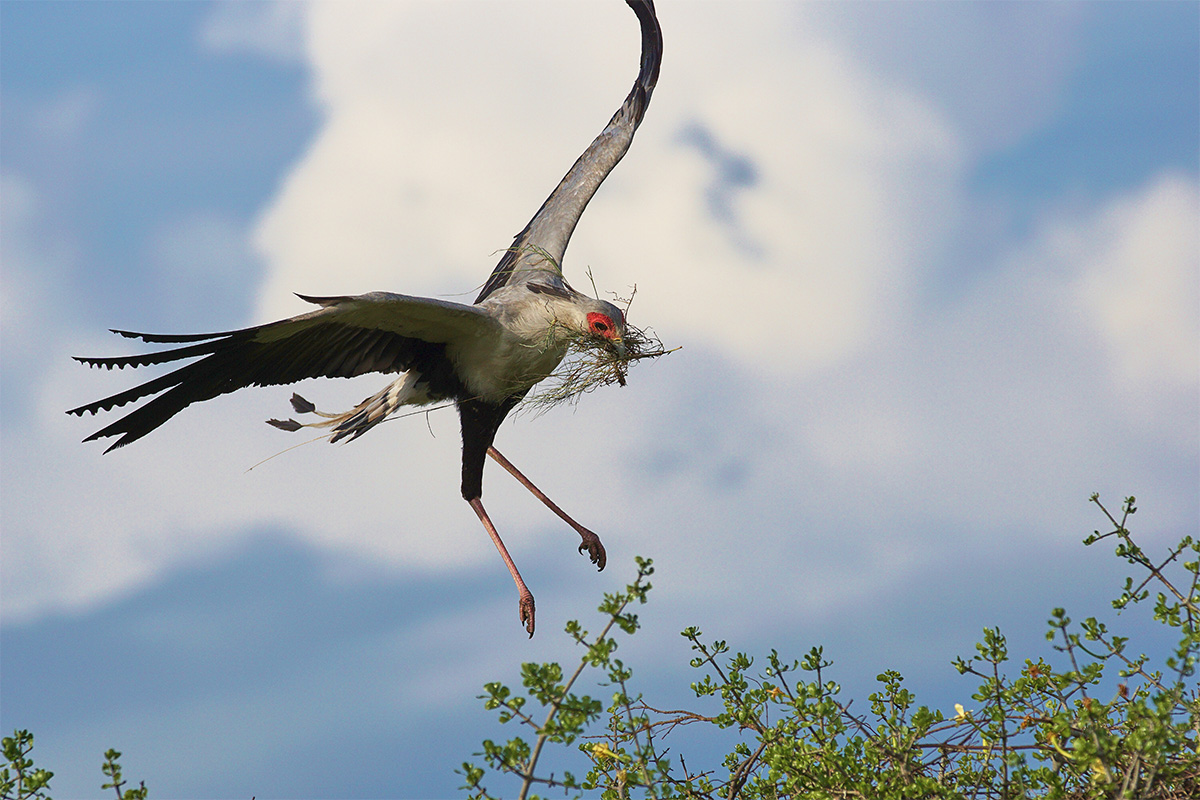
(591, 542)
(526, 601)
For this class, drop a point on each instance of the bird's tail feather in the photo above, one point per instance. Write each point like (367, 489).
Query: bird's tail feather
(364, 416)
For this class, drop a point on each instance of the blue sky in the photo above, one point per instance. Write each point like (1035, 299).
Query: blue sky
(934, 269)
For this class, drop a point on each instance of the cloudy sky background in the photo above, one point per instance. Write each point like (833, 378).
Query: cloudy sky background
(934, 268)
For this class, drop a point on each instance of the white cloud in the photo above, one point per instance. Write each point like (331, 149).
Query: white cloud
(1009, 393)
(273, 29)
(33, 264)
(999, 69)
(1142, 290)
(855, 189)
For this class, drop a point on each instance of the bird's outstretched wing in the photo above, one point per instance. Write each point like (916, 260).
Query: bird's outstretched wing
(347, 336)
(539, 248)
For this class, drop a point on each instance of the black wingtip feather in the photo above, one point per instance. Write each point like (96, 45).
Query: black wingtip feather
(124, 440)
(202, 348)
(177, 338)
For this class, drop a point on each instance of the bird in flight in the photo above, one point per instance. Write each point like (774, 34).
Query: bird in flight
(484, 357)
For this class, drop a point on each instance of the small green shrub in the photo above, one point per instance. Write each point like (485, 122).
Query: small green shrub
(1044, 732)
(20, 780)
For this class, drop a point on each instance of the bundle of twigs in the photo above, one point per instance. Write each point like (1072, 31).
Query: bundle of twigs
(591, 362)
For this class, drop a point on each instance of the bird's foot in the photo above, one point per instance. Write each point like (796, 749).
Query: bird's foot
(595, 550)
(526, 611)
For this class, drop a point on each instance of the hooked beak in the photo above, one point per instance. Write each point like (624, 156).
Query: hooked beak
(616, 346)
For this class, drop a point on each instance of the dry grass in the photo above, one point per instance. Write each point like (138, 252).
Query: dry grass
(591, 362)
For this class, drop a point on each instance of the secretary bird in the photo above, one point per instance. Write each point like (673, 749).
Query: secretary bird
(484, 357)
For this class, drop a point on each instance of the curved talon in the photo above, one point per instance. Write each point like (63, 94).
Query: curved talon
(595, 550)
(526, 612)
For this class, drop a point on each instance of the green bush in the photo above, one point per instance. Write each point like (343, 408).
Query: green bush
(1043, 733)
(20, 780)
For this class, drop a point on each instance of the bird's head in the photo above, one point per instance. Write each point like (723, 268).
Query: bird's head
(606, 322)
(599, 347)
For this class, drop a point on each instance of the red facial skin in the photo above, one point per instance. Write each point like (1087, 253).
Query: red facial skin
(601, 325)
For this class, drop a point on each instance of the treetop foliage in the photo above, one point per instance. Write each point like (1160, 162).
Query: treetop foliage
(1040, 730)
